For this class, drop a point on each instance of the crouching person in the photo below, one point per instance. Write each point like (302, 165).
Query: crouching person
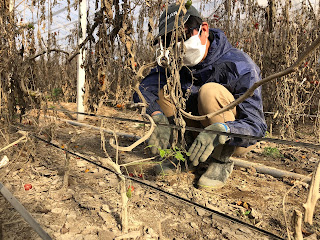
(220, 74)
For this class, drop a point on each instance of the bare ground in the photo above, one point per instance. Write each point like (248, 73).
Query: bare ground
(90, 206)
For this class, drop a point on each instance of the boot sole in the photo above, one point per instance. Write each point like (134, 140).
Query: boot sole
(210, 188)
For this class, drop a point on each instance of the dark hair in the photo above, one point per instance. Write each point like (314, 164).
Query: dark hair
(193, 22)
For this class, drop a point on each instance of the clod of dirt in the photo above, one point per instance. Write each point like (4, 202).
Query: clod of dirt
(251, 170)
(56, 210)
(64, 230)
(194, 225)
(106, 235)
(129, 235)
(200, 211)
(106, 208)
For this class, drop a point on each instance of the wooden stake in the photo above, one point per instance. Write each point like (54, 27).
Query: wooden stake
(313, 196)
(297, 220)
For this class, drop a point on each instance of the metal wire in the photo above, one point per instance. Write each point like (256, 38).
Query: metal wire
(273, 140)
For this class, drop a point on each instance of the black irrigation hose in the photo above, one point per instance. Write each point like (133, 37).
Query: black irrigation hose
(222, 215)
(273, 140)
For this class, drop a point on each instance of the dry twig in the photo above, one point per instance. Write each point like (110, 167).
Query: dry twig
(313, 196)
(140, 76)
(24, 137)
(123, 192)
(297, 220)
(141, 140)
(284, 201)
(137, 162)
(66, 171)
(47, 51)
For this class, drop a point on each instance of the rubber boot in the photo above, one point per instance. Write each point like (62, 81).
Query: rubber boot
(216, 175)
(218, 171)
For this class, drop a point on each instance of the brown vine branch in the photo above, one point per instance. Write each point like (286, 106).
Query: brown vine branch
(98, 19)
(47, 51)
(23, 138)
(313, 196)
(27, 91)
(304, 179)
(78, 48)
(140, 76)
(250, 91)
(141, 140)
(124, 198)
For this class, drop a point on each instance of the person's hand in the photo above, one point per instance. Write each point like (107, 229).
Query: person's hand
(205, 143)
(161, 134)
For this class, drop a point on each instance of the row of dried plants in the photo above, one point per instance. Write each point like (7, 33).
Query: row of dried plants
(34, 71)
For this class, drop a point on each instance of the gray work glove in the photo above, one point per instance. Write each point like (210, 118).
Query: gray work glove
(161, 134)
(205, 143)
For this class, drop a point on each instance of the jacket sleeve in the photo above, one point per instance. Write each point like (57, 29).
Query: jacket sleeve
(250, 119)
(149, 88)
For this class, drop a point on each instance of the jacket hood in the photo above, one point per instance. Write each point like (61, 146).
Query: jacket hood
(219, 46)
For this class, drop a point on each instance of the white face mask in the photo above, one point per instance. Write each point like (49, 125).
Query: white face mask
(195, 51)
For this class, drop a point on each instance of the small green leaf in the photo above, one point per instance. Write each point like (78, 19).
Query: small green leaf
(188, 154)
(179, 156)
(150, 146)
(162, 153)
(129, 193)
(247, 212)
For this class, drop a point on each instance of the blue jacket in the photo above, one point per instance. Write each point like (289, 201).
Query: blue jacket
(227, 66)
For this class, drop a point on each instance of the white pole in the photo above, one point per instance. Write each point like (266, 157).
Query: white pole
(11, 5)
(81, 75)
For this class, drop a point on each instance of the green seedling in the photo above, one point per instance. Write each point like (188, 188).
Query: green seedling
(271, 152)
(247, 212)
(174, 152)
(171, 154)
